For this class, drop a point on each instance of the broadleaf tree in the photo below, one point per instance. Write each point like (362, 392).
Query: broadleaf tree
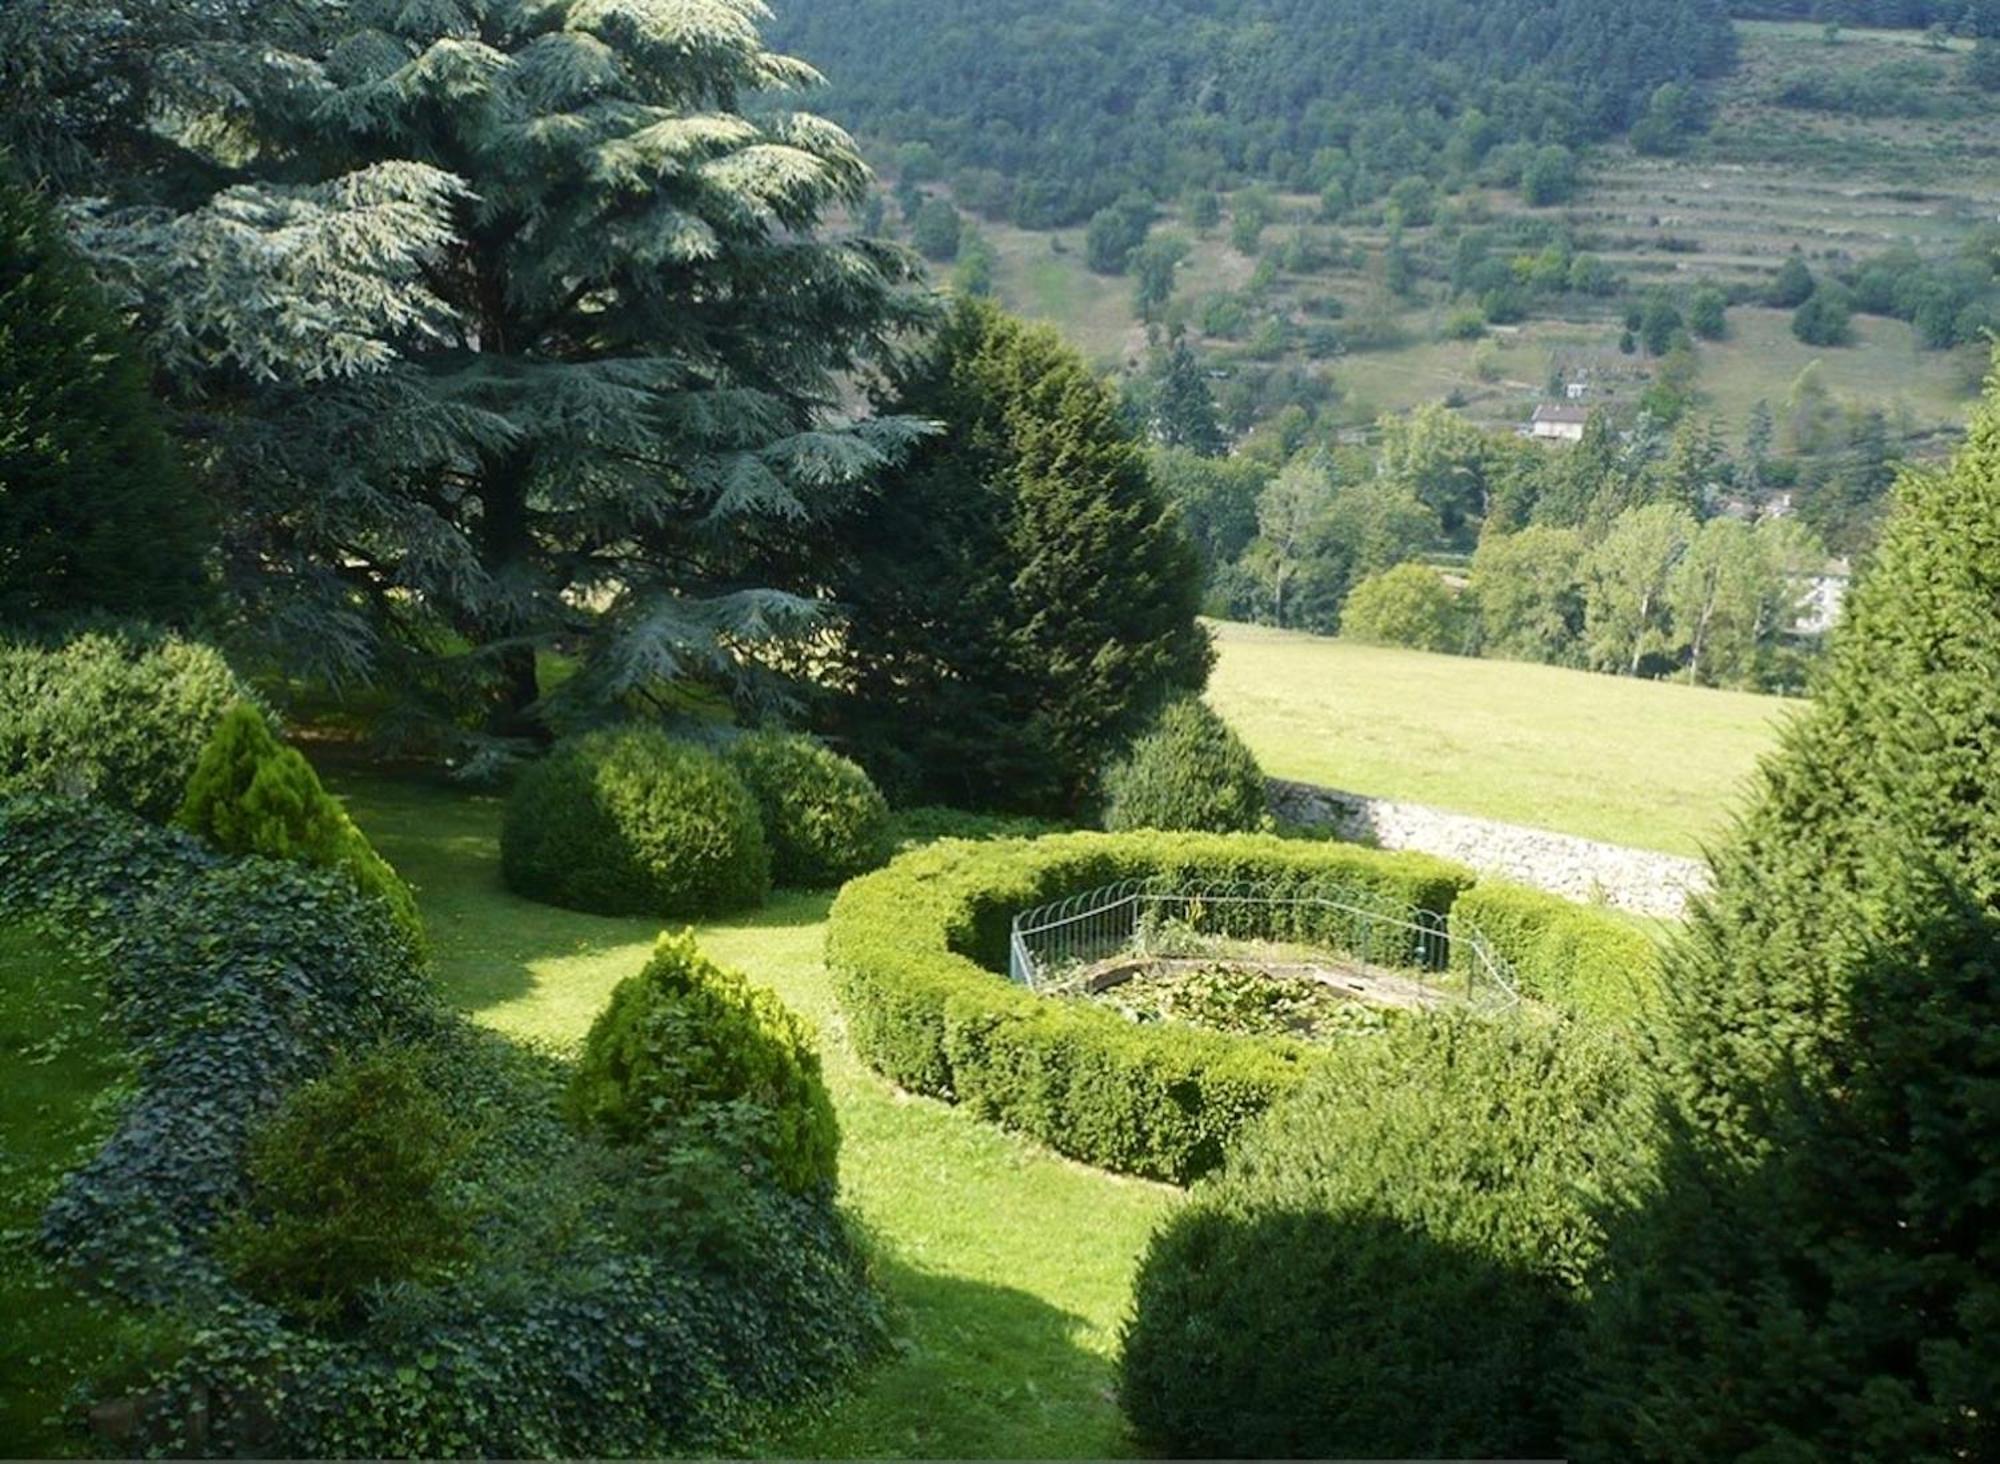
(509, 328)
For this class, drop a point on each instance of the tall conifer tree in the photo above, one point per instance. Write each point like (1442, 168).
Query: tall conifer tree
(512, 331)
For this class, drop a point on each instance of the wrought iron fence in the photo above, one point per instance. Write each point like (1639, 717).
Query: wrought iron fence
(1052, 945)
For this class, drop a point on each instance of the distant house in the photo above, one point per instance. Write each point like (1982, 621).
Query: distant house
(1576, 391)
(1559, 421)
(1821, 597)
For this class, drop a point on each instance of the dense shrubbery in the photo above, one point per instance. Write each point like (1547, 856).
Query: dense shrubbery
(914, 950)
(119, 715)
(823, 819)
(349, 1189)
(675, 1292)
(1387, 1266)
(1588, 962)
(251, 795)
(688, 1049)
(97, 512)
(631, 822)
(1187, 771)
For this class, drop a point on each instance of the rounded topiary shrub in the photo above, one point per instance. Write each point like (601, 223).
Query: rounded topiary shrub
(1387, 1266)
(119, 715)
(630, 822)
(1188, 771)
(688, 1049)
(823, 818)
(350, 1188)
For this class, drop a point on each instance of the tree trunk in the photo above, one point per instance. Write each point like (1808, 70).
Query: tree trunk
(505, 546)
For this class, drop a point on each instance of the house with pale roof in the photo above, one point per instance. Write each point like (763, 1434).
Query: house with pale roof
(1559, 421)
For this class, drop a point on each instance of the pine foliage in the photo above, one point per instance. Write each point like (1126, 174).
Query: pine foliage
(510, 324)
(97, 512)
(250, 794)
(1819, 1275)
(1021, 597)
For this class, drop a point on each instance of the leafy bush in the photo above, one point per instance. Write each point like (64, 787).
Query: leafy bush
(1188, 771)
(823, 819)
(350, 1189)
(1386, 1267)
(1585, 961)
(118, 714)
(686, 1044)
(1409, 605)
(915, 950)
(683, 1296)
(251, 795)
(96, 510)
(911, 828)
(631, 822)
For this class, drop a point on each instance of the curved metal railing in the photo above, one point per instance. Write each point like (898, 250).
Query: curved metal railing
(1050, 944)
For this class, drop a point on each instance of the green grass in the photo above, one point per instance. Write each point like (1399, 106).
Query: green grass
(1008, 1268)
(63, 1081)
(1645, 763)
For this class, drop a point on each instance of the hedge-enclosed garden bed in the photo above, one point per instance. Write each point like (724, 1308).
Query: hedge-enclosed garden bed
(917, 952)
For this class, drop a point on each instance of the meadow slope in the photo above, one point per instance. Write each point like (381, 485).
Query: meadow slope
(1649, 763)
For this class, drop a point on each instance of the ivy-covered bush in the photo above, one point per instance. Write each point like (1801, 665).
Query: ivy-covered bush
(1187, 771)
(823, 818)
(250, 794)
(1387, 1267)
(916, 951)
(119, 714)
(689, 1046)
(350, 1188)
(680, 1295)
(630, 822)
(1587, 962)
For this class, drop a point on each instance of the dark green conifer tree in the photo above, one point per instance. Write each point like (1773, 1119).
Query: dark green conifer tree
(1184, 412)
(1819, 1274)
(97, 512)
(1021, 598)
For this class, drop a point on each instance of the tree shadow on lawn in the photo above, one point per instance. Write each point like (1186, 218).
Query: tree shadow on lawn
(975, 1371)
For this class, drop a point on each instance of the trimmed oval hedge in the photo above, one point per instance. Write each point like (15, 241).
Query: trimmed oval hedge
(915, 950)
(1585, 961)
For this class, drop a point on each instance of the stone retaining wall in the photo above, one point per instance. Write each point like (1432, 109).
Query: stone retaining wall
(1637, 880)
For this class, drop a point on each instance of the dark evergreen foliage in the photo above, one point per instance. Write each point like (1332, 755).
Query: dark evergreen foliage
(1080, 101)
(1820, 1272)
(1387, 1266)
(1020, 598)
(97, 511)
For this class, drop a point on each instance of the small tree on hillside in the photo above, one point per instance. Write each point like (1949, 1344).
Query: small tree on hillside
(97, 511)
(1020, 596)
(1409, 605)
(1184, 410)
(1819, 1273)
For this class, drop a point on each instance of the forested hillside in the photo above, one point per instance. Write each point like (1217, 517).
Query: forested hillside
(1073, 101)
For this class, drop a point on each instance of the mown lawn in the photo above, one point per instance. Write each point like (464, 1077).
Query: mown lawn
(1653, 764)
(1008, 1267)
(64, 1071)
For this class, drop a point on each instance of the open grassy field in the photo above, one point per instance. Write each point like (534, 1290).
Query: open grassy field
(1008, 1267)
(1646, 763)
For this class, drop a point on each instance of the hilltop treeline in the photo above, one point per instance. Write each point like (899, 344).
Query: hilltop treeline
(1967, 17)
(1068, 103)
